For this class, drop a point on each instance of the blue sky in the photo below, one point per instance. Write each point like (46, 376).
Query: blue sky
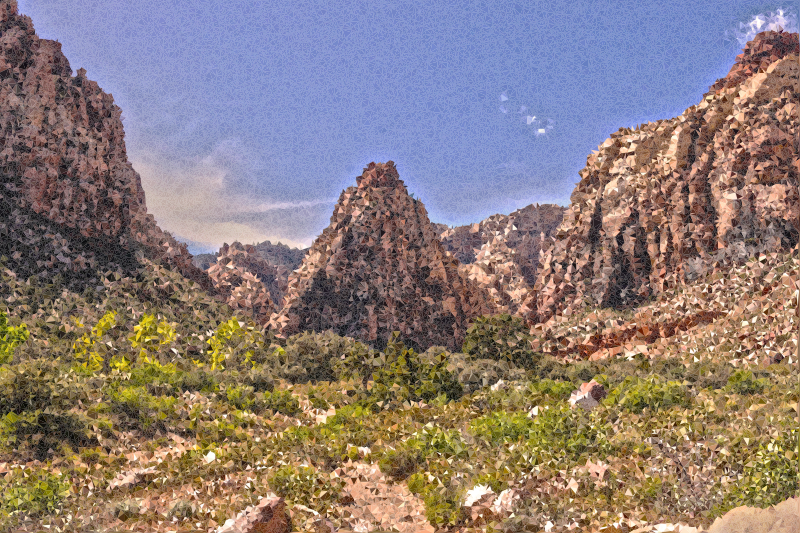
(247, 119)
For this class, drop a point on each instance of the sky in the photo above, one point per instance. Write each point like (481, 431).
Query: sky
(247, 119)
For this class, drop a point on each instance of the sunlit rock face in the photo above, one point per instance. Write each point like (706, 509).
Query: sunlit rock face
(69, 197)
(246, 280)
(501, 253)
(666, 202)
(380, 267)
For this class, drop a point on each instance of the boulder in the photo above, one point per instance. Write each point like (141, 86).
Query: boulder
(268, 516)
(588, 395)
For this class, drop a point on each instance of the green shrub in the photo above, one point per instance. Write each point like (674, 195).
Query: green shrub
(143, 412)
(282, 402)
(241, 396)
(33, 492)
(474, 374)
(316, 357)
(36, 385)
(769, 477)
(41, 431)
(235, 343)
(90, 350)
(400, 375)
(306, 486)
(150, 336)
(10, 338)
(501, 337)
(635, 394)
(401, 462)
(743, 382)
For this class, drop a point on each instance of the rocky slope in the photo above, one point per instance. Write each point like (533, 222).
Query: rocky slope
(70, 201)
(246, 281)
(662, 204)
(501, 253)
(270, 263)
(380, 267)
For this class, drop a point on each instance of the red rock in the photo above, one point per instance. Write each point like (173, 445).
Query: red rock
(269, 516)
(70, 198)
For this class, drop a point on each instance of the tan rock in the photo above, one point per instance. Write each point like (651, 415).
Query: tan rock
(782, 518)
(380, 267)
(269, 516)
(669, 201)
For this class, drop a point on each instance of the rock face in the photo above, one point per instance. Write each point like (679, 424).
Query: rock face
(245, 280)
(380, 267)
(70, 201)
(521, 231)
(506, 263)
(271, 263)
(663, 204)
(782, 518)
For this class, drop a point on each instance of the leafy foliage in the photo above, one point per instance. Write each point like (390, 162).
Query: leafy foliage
(10, 338)
(500, 338)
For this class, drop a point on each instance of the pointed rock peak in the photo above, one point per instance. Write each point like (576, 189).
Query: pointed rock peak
(758, 54)
(379, 267)
(379, 175)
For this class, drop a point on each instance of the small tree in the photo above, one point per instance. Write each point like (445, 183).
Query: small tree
(89, 350)
(10, 338)
(149, 336)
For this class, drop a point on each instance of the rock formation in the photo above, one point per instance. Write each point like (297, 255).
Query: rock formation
(70, 202)
(281, 258)
(246, 281)
(501, 253)
(380, 267)
(662, 204)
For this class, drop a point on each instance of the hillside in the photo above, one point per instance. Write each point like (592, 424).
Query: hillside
(133, 398)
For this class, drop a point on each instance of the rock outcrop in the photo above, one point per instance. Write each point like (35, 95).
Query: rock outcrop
(70, 201)
(501, 253)
(663, 204)
(246, 281)
(271, 263)
(380, 267)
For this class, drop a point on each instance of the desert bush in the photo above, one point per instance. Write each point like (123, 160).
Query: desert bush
(42, 431)
(400, 376)
(142, 411)
(744, 382)
(501, 337)
(281, 402)
(35, 492)
(36, 385)
(90, 350)
(306, 486)
(150, 336)
(315, 357)
(10, 338)
(474, 374)
(237, 344)
(240, 396)
(635, 394)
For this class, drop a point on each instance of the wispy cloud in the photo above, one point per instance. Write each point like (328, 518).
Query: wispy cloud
(538, 125)
(205, 199)
(780, 19)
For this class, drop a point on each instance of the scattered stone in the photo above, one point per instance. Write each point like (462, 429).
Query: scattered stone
(269, 516)
(588, 395)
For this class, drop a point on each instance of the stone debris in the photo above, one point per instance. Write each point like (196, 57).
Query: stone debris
(378, 504)
(268, 516)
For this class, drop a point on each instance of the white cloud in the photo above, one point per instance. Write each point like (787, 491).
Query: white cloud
(193, 198)
(778, 20)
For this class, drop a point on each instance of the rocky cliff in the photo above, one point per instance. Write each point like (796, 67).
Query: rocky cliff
(669, 201)
(70, 201)
(380, 267)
